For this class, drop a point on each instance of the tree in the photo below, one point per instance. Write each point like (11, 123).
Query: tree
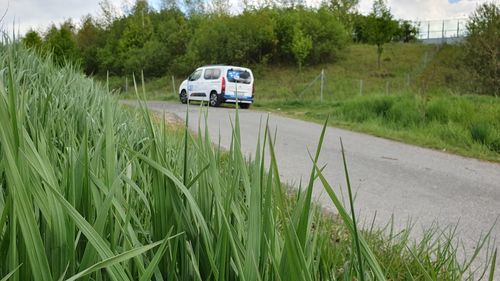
(32, 40)
(219, 7)
(301, 46)
(194, 7)
(108, 13)
(327, 33)
(344, 10)
(62, 43)
(138, 32)
(380, 27)
(407, 32)
(482, 48)
(88, 39)
(169, 5)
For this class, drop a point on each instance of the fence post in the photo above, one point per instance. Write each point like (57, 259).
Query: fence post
(408, 80)
(442, 33)
(428, 30)
(387, 87)
(126, 83)
(360, 87)
(173, 85)
(322, 84)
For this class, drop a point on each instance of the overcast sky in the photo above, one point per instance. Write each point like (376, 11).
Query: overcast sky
(39, 14)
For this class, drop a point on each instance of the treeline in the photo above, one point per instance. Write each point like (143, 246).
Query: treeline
(170, 41)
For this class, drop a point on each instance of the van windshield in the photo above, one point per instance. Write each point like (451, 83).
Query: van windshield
(239, 76)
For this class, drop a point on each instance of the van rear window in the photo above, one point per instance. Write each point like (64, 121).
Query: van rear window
(240, 76)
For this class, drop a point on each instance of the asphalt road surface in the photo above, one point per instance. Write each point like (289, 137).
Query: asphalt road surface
(389, 178)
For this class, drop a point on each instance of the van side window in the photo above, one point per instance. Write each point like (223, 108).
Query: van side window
(212, 74)
(195, 76)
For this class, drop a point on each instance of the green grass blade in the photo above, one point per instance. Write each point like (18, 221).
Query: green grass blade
(6, 277)
(148, 273)
(92, 235)
(115, 260)
(354, 224)
(305, 207)
(344, 215)
(493, 264)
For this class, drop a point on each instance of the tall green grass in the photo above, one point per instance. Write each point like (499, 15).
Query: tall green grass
(92, 191)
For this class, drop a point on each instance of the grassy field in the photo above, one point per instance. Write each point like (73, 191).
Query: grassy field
(419, 96)
(93, 191)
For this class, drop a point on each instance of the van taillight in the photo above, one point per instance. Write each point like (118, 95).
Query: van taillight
(223, 87)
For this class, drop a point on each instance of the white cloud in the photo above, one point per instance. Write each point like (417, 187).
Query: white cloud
(38, 14)
(427, 9)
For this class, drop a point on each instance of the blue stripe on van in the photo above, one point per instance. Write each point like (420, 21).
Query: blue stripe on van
(233, 97)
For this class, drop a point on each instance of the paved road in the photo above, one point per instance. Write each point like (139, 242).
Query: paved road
(389, 177)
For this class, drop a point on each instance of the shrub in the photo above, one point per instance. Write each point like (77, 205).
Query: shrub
(482, 48)
(437, 110)
(495, 145)
(382, 105)
(480, 132)
(405, 113)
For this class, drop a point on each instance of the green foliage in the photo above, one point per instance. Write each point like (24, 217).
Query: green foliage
(344, 10)
(165, 42)
(406, 32)
(32, 40)
(89, 39)
(480, 132)
(482, 48)
(301, 45)
(62, 44)
(329, 37)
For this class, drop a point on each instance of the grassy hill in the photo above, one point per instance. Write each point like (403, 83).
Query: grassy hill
(404, 67)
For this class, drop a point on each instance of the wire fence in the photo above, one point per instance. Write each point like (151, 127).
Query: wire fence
(327, 86)
(441, 31)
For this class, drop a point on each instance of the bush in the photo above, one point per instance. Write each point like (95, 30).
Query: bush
(437, 110)
(482, 48)
(495, 145)
(405, 113)
(480, 132)
(381, 106)
(450, 134)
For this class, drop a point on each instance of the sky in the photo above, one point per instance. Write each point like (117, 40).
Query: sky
(39, 14)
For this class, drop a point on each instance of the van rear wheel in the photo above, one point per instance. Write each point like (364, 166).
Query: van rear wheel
(214, 99)
(244, 105)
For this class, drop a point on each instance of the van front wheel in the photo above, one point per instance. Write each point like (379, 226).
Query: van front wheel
(183, 97)
(214, 99)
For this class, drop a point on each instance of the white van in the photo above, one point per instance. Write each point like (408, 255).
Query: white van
(217, 84)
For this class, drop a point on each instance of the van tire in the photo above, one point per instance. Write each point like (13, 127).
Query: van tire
(244, 105)
(183, 97)
(215, 100)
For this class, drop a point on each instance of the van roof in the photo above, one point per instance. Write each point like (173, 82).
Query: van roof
(224, 65)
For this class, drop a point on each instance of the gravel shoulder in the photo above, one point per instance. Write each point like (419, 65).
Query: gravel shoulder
(389, 178)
